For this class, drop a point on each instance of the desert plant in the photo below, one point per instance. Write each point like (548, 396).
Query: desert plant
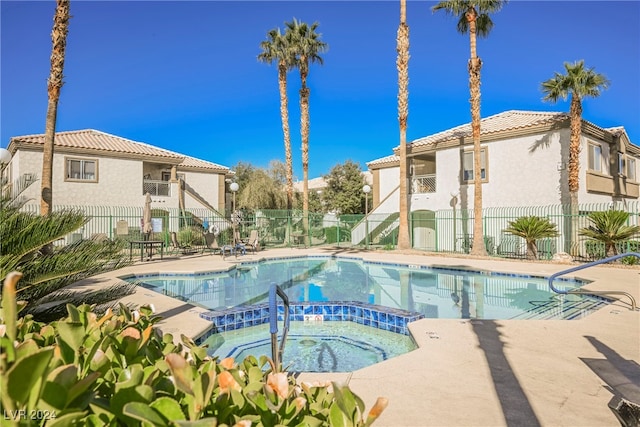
(609, 227)
(119, 370)
(46, 274)
(532, 228)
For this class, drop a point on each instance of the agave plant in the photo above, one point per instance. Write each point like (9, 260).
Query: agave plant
(532, 228)
(46, 275)
(609, 227)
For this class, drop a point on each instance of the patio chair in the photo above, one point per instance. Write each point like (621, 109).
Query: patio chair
(212, 243)
(254, 242)
(177, 247)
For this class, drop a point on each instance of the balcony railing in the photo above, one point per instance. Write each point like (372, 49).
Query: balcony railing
(156, 188)
(423, 184)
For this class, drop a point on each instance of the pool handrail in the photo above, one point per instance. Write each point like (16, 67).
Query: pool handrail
(276, 352)
(592, 264)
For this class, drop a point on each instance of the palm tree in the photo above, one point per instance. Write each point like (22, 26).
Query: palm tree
(59, 39)
(473, 17)
(579, 83)
(402, 63)
(276, 48)
(307, 47)
(531, 229)
(609, 227)
(47, 273)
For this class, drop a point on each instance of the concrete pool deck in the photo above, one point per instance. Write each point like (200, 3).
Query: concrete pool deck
(469, 372)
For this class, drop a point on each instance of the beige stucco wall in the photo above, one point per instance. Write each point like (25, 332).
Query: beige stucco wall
(524, 171)
(119, 181)
(388, 181)
(206, 185)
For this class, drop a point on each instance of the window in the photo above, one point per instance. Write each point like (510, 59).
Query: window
(166, 176)
(621, 164)
(81, 170)
(467, 165)
(631, 169)
(595, 157)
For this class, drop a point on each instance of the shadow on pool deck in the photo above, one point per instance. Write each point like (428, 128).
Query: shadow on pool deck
(515, 406)
(621, 375)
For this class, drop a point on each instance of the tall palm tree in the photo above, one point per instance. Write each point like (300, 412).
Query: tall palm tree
(307, 47)
(59, 39)
(579, 83)
(276, 48)
(402, 64)
(473, 18)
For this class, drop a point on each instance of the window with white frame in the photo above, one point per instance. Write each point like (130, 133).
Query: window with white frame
(81, 169)
(631, 168)
(621, 164)
(595, 157)
(467, 165)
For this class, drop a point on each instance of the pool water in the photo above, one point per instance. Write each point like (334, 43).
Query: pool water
(430, 291)
(338, 346)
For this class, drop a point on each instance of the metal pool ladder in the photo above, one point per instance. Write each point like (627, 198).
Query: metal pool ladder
(591, 264)
(276, 351)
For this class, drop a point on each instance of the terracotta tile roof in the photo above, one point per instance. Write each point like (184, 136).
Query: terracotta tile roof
(506, 121)
(192, 162)
(389, 159)
(319, 183)
(97, 141)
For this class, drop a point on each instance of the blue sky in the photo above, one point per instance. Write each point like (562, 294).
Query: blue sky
(184, 75)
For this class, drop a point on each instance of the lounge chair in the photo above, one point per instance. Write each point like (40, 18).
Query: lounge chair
(177, 247)
(239, 244)
(254, 241)
(212, 243)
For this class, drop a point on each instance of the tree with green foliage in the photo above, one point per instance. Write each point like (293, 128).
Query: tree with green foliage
(46, 274)
(261, 188)
(307, 46)
(474, 18)
(609, 227)
(532, 228)
(343, 193)
(579, 83)
(277, 48)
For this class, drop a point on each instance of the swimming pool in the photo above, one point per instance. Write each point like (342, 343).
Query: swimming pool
(341, 346)
(433, 292)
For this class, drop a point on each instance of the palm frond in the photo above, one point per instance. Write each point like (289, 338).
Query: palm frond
(53, 306)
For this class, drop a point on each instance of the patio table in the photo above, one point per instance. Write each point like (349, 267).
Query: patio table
(149, 244)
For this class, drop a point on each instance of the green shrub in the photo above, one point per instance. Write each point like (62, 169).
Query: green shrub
(119, 370)
(191, 236)
(332, 234)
